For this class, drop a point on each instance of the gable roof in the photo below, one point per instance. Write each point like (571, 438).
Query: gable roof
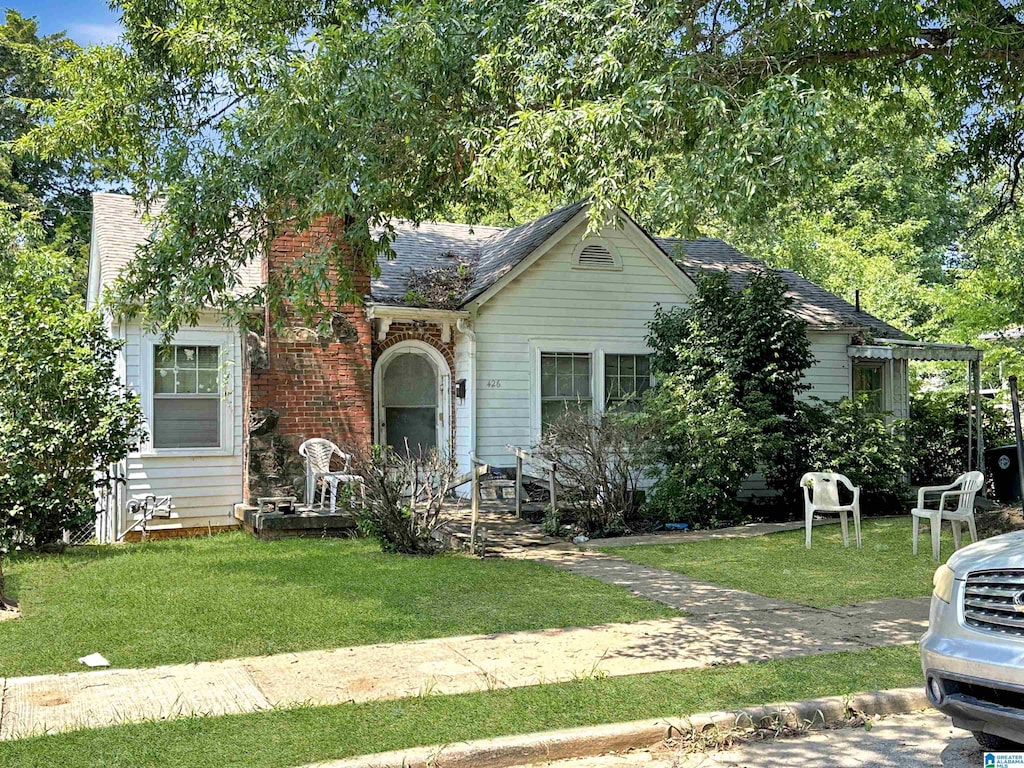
(119, 228)
(495, 252)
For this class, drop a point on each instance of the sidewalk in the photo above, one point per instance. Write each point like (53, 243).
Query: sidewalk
(754, 629)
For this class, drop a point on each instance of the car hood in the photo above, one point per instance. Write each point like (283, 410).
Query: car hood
(1006, 551)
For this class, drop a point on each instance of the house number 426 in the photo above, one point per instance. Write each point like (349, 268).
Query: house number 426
(494, 383)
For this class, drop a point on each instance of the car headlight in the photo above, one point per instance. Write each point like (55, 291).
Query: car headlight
(943, 583)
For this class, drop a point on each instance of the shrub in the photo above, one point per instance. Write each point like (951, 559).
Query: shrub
(730, 370)
(63, 418)
(937, 434)
(602, 458)
(405, 498)
(849, 437)
(706, 446)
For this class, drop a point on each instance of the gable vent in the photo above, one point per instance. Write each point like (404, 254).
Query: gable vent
(596, 257)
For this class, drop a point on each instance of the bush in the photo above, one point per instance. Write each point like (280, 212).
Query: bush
(405, 498)
(937, 434)
(848, 437)
(730, 370)
(706, 446)
(602, 459)
(63, 419)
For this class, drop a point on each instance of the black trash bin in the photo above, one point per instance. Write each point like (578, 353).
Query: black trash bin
(1002, 468)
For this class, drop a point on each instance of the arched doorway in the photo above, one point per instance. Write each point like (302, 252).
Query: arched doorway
(412, 398)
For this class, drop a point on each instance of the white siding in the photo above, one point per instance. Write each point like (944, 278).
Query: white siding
(554, 304)
(462, 420)
(900, 402)
(831, 375)
(203, 487)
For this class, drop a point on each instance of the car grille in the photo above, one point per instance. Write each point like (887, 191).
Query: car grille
(994, 601)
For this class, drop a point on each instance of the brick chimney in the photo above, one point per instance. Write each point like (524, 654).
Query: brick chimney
(302, 384)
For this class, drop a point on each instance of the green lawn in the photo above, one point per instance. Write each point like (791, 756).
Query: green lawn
(232, 595)
(294, 737)
(779, 566)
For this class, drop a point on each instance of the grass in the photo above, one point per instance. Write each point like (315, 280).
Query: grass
(294, 737)
(779, 566)
(231, 595)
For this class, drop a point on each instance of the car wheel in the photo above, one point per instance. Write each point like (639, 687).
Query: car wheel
(995, 743)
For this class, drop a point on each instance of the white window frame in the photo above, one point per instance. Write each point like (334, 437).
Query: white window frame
(596, 348)
(616, 266)
(225, 343)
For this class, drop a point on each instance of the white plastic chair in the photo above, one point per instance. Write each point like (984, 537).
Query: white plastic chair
(821, 494)
(318, 454)
(964, 489)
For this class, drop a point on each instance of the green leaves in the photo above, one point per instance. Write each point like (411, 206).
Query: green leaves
(63, 417)
(245, 116)
(729, 368)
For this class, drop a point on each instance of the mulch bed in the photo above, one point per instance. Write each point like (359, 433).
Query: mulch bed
(1000, 520)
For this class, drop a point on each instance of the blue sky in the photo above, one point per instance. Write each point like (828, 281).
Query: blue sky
(87, 22)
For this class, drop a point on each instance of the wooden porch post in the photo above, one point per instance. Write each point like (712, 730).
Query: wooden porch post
(474, 487)
(519, 486)
(551, 489)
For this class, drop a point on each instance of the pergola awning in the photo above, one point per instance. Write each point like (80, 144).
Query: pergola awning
(905, 349)
(909, 350)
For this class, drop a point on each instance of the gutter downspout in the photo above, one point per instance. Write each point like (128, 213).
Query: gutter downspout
(462, 325)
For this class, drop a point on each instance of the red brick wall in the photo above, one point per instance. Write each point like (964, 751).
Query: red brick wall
(320, 386)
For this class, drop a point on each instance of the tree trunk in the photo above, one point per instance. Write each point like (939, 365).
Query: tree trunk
(6, 603)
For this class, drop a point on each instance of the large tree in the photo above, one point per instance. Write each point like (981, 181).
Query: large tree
(55, 189)
(239, 115)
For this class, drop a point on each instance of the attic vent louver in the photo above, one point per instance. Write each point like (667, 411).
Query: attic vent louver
(596, 256)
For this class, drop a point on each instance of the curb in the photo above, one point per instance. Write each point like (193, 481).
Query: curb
(508, 751)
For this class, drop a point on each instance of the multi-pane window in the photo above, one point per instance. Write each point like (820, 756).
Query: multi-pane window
(867, 380)
(626, 378)
(564, 385)
(186, 396)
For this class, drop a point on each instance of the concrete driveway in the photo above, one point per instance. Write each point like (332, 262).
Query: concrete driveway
(901, 741)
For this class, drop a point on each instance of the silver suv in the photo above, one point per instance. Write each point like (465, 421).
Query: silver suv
(973, 652)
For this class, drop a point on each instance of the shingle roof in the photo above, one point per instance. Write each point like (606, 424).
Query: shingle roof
(119, 228)
(494, 251)
(811, 302)
(430, 245)
(504, 251)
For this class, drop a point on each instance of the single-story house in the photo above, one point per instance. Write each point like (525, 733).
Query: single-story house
(541, 314)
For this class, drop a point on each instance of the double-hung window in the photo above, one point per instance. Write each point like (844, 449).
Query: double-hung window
(186, 396)
(626, 378)
(565, 385)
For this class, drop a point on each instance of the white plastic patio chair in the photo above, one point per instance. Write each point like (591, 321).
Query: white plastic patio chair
(318, 454)
(963, 489)
(821, 494)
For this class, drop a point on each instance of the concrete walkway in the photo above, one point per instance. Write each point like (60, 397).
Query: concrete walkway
(752, 632)
(720, 626)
